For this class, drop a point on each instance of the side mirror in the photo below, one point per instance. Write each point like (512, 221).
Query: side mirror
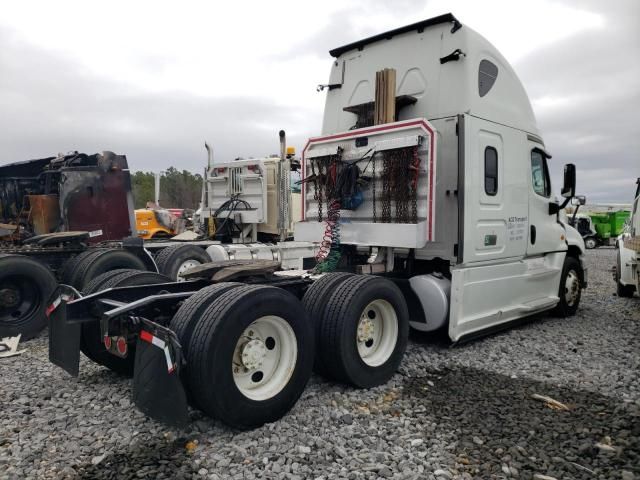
(569, 186)
(579, 200)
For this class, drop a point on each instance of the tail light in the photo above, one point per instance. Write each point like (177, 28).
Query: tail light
(121, 346)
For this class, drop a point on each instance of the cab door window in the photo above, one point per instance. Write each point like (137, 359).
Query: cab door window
(540, 174)
(490, 171)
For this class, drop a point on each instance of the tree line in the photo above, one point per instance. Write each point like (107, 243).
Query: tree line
(178, 189)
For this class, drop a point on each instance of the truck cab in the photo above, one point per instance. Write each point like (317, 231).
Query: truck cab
(456, 201)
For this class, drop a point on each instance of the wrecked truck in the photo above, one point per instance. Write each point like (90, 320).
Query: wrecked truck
(59, 217)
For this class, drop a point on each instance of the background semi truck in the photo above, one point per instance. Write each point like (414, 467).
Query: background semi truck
(430, 195)
(58, 215)
(246, 212)
(627, 268)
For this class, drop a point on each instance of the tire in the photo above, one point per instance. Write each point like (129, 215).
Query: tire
(103, 261)
(25, 288)
(624, 291)
(70, 267)
(568, 304)
(91, 340)
(275, 319)
(174, 260)
(95, 285)
(185, 319)
(590, 243)
(363, 362)
(315, 302)
(77, 276)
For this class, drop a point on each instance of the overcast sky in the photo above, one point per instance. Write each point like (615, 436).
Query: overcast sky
(155, 79)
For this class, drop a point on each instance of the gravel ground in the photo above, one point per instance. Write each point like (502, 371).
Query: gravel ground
(462, 412)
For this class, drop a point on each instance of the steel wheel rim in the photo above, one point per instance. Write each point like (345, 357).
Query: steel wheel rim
(264, 358)
(185, 266)
(571, 288)
(23, 299)
(377, 333)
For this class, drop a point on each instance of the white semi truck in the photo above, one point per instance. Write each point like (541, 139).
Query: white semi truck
(627, 268)
(246, 212)
(431, 201)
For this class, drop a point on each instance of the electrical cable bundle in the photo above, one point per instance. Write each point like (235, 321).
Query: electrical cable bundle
(342, 183)
(329, 253)
(232, 205)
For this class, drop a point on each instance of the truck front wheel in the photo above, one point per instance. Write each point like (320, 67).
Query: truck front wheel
(590, 243)
(570, 289)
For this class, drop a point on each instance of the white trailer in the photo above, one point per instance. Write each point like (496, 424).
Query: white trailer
(441, 217)
(627, 269)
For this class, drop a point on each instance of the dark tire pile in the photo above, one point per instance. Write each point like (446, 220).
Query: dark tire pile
(463, 412)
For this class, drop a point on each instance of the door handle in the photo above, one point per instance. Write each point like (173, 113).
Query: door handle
(533, 234)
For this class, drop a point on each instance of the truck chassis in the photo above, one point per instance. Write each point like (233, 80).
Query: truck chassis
(237, 340)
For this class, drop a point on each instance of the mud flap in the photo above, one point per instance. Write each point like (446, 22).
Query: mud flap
(64, 340)
(157, 390)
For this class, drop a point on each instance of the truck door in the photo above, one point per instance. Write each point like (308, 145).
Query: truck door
(505, 273)
(545, 234)
(495, 207)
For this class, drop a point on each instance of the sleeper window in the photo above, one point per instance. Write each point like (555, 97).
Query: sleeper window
(487, 74)
(490, 171)
(540, 174)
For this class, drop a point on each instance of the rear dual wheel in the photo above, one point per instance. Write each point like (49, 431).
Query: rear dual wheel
(83, 268)
(250, 355)
(25, 288)
(363, 331)
(315, 302)
(91, 341)
(175, 260)
(188, 315)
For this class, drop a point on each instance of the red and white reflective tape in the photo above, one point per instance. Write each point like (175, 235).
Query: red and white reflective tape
(56, 303)
(158, 342)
